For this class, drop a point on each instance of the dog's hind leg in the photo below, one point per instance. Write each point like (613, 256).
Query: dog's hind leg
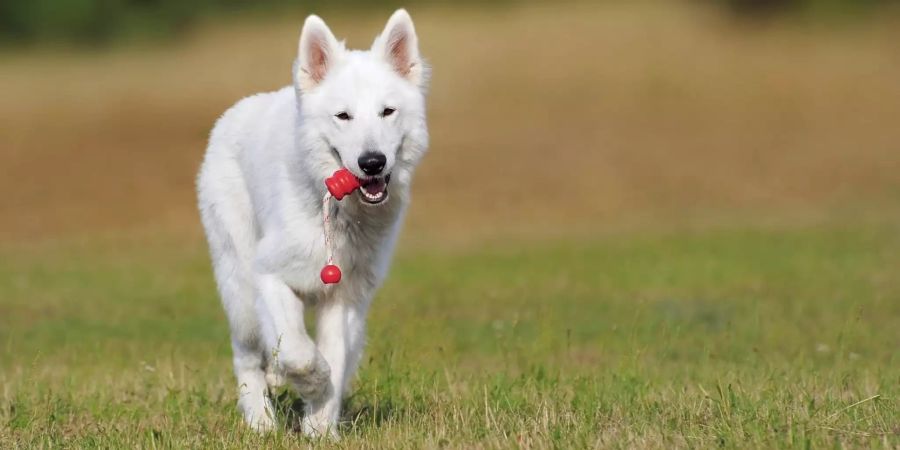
(224, 208)
(253, 391)
(249, 359)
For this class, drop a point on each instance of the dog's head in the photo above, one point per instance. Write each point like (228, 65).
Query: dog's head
(363, 110)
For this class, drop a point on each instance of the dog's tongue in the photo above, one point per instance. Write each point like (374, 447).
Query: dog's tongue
(375, 186)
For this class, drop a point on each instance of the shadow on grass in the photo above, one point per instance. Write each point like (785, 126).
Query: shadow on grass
(289, 409)
(361, 415)
(357, 414)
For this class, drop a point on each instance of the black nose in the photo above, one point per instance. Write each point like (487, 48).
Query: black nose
(372, 163)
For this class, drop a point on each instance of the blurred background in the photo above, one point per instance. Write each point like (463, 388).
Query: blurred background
(547, 118)
(627, 206)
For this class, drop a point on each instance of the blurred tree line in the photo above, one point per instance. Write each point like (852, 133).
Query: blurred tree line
(758, 8)
(99, 21)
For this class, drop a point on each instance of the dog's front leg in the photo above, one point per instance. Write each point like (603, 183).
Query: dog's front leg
(339, 327)
(292, 353)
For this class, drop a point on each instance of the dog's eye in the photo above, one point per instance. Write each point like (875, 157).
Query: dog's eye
(387, 111)
(343, 115)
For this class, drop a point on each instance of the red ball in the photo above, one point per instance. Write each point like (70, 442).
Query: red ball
(331, 274)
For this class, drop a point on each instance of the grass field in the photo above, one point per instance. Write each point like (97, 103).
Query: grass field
(730, 338)
(688, 239)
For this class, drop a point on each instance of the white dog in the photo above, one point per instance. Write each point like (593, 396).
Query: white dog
(260, 193)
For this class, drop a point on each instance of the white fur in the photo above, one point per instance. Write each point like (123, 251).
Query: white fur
(260, 192)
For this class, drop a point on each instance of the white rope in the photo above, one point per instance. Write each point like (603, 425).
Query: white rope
(326, 210)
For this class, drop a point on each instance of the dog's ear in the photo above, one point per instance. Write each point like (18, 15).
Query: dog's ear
(399, 46)
(317, 53)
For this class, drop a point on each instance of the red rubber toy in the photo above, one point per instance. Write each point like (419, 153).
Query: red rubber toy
(341, 183)
(331, 274)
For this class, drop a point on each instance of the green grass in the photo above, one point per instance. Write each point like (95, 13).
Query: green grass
(741, 338)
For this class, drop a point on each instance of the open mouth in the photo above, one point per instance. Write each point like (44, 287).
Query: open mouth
(374, 190)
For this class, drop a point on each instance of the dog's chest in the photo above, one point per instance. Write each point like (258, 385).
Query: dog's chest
(358, 246)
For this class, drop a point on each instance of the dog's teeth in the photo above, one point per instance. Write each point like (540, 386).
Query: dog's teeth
(375, 197)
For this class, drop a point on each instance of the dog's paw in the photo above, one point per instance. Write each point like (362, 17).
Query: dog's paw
(262, 425)
(311, 381)
(261, 421)
(317, 426)
(257, 410)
